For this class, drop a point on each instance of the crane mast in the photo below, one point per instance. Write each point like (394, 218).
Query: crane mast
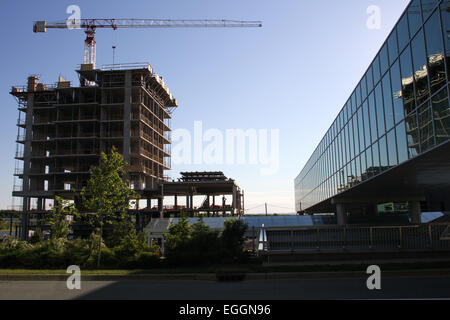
(90, 26)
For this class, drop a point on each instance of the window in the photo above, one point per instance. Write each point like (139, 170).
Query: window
(363, 88)
(376, 70)
(380, 110)
(412, 134)
(387, 99)
(369, 162)
(435, 55)
(356, 134)
(360, 127)
(427, 7)
(369, 77)
(383, 154)
(392, 148)
(363, 167)
(365, 109)
(402, 148)
(375, 159)
(403, 32)
(414, 17)
(407, 81)
(445, 14)
(392, 46)
(425, 127)
(441, 113)
(373, 118)
(397, 93)
(384, 60)
(358, 97)
(420, 68)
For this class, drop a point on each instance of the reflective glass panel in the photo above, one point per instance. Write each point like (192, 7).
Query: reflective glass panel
(441, 113)
(402, 148)
(392, 148)
(383, 154)
(420, 68)
(402, 32)
(387, 98)
(362, 144)
(356, 134)
(407, 81)
(376, 70)
(369, 170)
(380, 110)
(384, 60)
(366, 123)
(427, 7)
(445, 14)
(373, 118)
(425, 127)
(363, 88)
(414, 17)
(397, 92)
(392, 46)
(375, 159)
(369, 78)
(412, 134)
(435, 52)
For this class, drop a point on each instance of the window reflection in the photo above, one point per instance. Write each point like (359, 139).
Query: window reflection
(402, 32)
(402, 148)
(392, 46)
(373, 118)
(435, 52)
(445, 14)
(380, 110)
(387, 99)
(425, 127)
(383, 154)
(412, 134)
(407, 81)
(420, 68)
(414, 17)
(397, 93)
(441, 113)
(428, 6)
(392, 149)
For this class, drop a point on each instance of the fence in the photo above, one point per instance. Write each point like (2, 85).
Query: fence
(356, 238)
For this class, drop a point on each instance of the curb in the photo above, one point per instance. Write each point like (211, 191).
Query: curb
(213, 277)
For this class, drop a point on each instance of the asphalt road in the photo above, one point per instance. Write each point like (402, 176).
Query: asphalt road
(433, 287)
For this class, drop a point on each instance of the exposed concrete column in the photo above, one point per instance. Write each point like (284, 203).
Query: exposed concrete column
(176, 202)
(187, 202)
(341, 215)
(160, 207)
(415, 212)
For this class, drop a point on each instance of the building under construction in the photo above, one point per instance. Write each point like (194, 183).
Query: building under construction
(63, 129)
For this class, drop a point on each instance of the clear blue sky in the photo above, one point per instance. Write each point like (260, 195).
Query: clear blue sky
(294, 74)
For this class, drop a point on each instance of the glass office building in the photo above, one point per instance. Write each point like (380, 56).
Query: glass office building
(398, 111)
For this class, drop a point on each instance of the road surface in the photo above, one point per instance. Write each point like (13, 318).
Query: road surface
(429, 287)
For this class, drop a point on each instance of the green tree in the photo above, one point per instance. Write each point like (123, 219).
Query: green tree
(57, 220)
(107, 193)
(232, 237)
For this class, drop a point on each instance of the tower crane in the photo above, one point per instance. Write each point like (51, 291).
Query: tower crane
(90, 25)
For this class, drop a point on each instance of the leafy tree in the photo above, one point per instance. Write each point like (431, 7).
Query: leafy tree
(57, 220)
(232, 237)
(107, 193)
